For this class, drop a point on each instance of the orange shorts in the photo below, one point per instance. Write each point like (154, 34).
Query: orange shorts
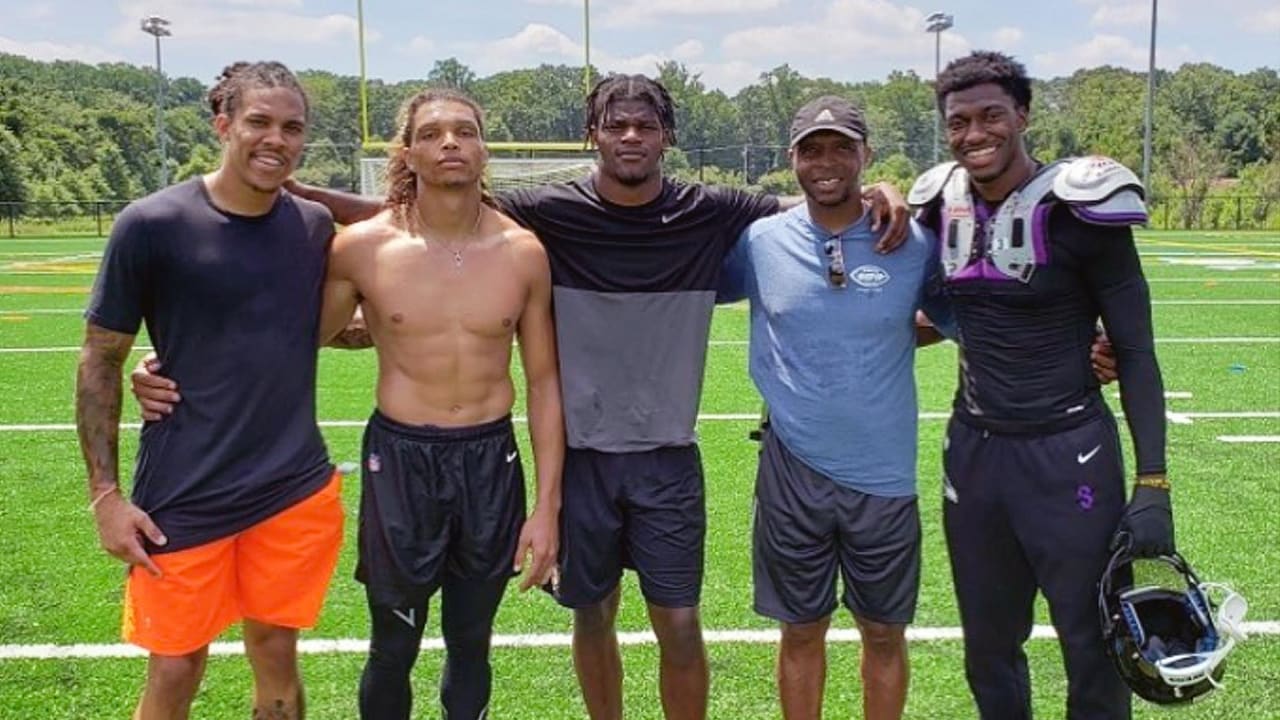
(276, 572)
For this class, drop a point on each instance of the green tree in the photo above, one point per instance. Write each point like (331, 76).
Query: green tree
(451, 74)
(13, 170)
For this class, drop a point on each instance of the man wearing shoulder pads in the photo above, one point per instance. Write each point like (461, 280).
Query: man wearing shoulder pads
(1034, 255)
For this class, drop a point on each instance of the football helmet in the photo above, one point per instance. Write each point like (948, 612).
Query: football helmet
(1168, 643)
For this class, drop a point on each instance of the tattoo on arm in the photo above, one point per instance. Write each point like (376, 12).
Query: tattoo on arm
(98, 382)
(353, 337)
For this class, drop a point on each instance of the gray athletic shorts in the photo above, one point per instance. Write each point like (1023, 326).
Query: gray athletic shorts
(806, 526)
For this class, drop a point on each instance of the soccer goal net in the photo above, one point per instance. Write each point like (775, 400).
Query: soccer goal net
(525, 166)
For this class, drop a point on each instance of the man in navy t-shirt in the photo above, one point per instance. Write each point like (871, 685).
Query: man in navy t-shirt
(234, 512)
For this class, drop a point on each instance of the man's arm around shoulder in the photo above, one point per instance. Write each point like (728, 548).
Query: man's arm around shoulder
(347, 208)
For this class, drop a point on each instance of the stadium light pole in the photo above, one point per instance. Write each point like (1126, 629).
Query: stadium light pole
(1151, 98)
(586, 43)
(158, 27)
(935, 23)
(364, 92)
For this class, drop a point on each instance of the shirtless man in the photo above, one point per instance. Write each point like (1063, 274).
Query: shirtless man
(445, 282)
(635, 259)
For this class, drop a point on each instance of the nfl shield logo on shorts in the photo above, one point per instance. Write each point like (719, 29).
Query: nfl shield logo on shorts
(374, 463)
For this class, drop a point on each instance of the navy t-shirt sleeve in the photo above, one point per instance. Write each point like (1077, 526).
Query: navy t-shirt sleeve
(118, 301)
(742, 208)
(1114, 276)
(519, 205)
(735, 271)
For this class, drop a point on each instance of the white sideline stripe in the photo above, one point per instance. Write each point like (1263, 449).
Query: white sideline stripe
(1177, 418)
(71, 348)
(1249, 438)
(1215, 302)
(1224, 340)
(1209, 280)
(742, 343)
(319, 646)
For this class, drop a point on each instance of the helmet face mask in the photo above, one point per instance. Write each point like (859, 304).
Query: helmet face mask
(1168, 644)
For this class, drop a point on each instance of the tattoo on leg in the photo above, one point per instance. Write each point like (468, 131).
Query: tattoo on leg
(278, 710)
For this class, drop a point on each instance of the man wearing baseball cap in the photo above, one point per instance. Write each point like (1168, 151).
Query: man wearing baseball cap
(832, 351)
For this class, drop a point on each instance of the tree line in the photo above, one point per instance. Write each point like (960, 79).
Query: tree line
(77, 133)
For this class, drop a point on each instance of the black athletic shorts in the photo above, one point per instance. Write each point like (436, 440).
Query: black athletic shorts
(807, 526)
(436, 500)
(642, 510)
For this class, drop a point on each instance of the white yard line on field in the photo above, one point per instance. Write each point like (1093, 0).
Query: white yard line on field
(318, 646)
(1249, 438)
(1182, 418)
(1215, 302)
(1259, 340)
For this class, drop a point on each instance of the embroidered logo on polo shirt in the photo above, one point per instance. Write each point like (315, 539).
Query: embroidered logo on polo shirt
(869, 276)
(374, 463)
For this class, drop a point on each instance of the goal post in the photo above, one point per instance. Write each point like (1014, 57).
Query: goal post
(511, 165)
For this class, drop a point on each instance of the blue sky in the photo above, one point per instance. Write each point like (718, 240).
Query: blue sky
(729, 42)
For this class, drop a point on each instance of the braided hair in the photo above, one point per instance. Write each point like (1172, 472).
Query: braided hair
(239, 77)
(631, 87)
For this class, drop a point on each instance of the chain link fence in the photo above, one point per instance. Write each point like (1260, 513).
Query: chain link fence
(1215, 212)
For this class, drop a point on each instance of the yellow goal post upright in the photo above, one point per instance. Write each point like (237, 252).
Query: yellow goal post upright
(511, 164)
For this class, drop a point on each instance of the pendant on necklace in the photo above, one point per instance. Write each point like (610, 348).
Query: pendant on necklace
(457, 259)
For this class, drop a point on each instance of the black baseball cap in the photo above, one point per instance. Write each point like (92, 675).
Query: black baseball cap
(828, 113)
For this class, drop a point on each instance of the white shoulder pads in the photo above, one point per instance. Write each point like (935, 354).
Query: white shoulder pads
(1101, 191)
(930, 184)
(1093, 179)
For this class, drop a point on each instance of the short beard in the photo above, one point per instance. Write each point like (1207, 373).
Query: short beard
(632, 179)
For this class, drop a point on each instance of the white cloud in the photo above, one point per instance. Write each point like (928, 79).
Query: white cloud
(535, 43)
(267, 3)
(1264, 21)
(871, 33)
(687, 51)
(36, 11)
(1108, 50)
(418, 46)
(1122, 14)
(1005, 38)
(46, 51)
(633, 12)
(729, 77)
(211, 21)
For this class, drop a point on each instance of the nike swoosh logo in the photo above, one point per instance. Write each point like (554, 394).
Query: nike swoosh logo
(511, 455)
(405, 617)
(1083, 458)
(667, 218)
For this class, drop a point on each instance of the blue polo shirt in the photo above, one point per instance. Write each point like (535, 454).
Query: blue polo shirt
(836, 365)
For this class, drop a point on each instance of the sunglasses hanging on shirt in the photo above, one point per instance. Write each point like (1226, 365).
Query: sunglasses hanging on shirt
(835, 268)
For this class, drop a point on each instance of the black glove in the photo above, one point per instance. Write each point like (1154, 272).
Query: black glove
(1147, 525)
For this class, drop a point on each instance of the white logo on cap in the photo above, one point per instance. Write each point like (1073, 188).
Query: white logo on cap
(825, 116)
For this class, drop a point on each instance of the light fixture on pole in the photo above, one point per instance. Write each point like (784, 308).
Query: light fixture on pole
(158, 27)
(935, 23)
(1151, 98)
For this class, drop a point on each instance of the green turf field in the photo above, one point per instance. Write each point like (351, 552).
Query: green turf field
(1217, 317)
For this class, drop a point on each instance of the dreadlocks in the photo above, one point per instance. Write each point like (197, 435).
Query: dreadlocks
(236, 78)
(631, 87)
(979, 68)
(402, 181)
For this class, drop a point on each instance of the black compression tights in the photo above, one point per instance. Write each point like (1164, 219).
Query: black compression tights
(467, 608)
